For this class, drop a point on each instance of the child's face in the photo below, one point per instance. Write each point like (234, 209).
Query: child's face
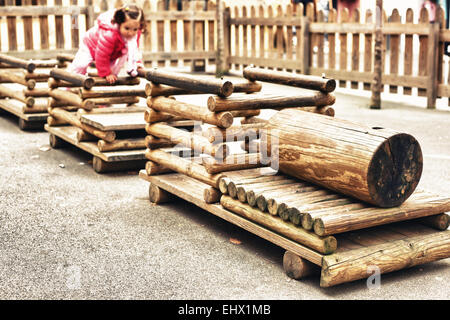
(129, 28)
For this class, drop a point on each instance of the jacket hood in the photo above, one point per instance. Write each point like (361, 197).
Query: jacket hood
(104, 21)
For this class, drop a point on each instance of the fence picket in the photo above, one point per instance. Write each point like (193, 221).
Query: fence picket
(368, 52)
(423, 49)
(343, 46)
(394, 49)
(408, 65)
(355, 49)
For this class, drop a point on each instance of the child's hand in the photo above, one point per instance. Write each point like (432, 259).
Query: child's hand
(111, 78)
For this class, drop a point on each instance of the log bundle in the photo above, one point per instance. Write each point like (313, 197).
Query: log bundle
(29, 75)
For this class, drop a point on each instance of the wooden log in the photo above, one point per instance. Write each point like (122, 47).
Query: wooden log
(88, 104)
(440, 221)
(152, 142)
(370, 217)
(221, 88)
(153, 168)
(158, 195)
(123, 144)
(234, 133)
(323, 245)
(121, 81)
(71, 98)
(111, 92)
(187, 167)
(376, 165)
(18, 95)
(76, 79)
(325, 110)
(232, 163)
(36, 92)
(190, 111)
(269, 200)
(390, 256)
(65, 57)
(245, 113)
(14, 77)
(156, 90)
(38, 76)
(190, 140)
(251, 119)
(298, 268)
(102, 166)
(82, 136)
(269, 101)
(153, 116)
(243, 191)
(290, 79)
(59, 113)
(16, 62)
(233, 185)
(211, 195)
(53, 122)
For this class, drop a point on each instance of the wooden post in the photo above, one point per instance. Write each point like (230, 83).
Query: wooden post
(375, 101)
(305, 44)
(221, 57)
(432, 64)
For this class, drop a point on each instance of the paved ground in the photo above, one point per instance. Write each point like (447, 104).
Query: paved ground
(69, 233)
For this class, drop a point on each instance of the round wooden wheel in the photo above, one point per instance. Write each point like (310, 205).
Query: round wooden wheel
(157, 195)
(24, 124)
(30, 125)
(296, 267)
(56, 142)
(99, 165)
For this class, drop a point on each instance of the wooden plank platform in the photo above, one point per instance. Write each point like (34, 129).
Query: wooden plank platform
(115, 121)
(389, 247)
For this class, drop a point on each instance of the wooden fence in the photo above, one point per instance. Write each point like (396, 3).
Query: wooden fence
(289, 38)
(297, 39)
(172, 37)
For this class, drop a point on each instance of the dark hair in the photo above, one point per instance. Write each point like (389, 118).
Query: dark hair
(130, 11)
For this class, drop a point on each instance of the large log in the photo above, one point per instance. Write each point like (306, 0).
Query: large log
(290, 79)
(189, 82)
(190, 111)
(153, 116)
(270, 101)
(76, 79)
(16, 62)
(376, 165)
(188, 139)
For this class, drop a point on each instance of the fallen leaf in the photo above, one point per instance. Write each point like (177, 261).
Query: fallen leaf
(44, 148)
(235, 241)
(61, 165)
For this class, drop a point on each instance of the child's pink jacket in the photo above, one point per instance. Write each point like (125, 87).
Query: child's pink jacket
(105, 43)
